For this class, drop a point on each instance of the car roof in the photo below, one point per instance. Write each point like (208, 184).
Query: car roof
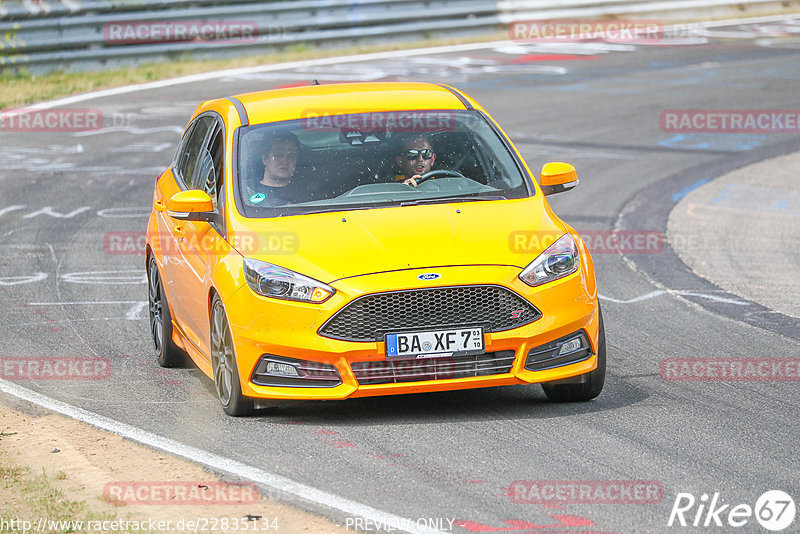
(340, 98)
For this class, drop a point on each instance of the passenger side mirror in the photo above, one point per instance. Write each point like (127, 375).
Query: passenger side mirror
(191, 205)
(557, 177)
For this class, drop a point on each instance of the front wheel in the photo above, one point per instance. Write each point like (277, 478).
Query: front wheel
(223, 363)
(593, 381)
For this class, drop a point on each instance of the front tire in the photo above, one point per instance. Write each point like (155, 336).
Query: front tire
(167, 352)
(223, 364)
(593, 380)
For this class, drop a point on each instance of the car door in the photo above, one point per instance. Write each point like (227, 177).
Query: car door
(172, 232)
(201, 241)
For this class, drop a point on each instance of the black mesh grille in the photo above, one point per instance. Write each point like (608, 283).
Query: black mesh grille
(393, 371)
(368, 318)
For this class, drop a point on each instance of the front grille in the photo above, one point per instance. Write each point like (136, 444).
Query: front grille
(394, 371)
(369, 317)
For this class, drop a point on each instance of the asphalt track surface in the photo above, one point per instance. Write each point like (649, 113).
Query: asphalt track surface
(452, 455)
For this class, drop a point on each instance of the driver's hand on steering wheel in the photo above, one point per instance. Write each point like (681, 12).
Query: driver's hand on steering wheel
(412, 181)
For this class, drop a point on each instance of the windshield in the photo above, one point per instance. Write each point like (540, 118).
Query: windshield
(359, 161)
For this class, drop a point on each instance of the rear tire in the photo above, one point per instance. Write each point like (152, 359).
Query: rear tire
(223, 364)
(593, 380)
(167, 352)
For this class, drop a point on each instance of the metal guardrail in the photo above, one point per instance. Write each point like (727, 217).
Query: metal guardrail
(83, 39)
(75, 35)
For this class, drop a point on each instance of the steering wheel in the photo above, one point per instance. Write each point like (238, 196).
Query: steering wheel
(444, 172)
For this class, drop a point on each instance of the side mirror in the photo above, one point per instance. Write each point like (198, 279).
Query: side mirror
(557, 177)
(191, 205)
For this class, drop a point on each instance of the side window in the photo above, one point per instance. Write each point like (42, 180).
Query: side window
(190, 149)
(208, 171)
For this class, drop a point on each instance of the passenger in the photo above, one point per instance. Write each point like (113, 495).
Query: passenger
(416, 157)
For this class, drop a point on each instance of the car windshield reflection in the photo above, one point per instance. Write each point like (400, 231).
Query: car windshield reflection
(360, 161)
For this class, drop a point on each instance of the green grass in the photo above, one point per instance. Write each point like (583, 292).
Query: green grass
(26, 495)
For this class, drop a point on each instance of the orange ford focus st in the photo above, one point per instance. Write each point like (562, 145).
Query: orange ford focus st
(349, 240)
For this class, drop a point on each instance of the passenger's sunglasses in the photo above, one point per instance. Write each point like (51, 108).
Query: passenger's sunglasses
(412, 154)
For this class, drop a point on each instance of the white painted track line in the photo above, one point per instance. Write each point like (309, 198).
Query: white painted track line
(392, 54)
(278, 483)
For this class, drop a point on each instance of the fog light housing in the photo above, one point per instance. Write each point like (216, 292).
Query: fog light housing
(571, 346)
(281, 371)
(567, 350)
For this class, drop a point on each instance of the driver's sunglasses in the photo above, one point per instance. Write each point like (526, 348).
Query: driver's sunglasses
(412, 154)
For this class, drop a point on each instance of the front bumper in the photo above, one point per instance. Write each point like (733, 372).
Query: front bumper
(290, 329)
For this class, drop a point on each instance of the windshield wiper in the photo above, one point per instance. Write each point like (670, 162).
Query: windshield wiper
(326, 210)
(451, 199)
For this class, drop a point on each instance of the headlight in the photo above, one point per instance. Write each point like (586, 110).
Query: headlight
(272, 281)
(559, 260)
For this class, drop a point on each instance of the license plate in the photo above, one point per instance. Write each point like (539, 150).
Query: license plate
(455, 342)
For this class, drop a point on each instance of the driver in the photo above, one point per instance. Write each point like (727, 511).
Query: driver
(277, 185)
(415, 158)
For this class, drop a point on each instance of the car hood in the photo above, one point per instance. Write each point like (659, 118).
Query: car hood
(332, 246)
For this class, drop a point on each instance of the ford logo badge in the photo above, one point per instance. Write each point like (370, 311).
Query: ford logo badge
(429, 276)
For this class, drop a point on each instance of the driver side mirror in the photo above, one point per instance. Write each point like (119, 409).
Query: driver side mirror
(557, 177)
(191, 205)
